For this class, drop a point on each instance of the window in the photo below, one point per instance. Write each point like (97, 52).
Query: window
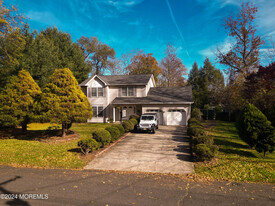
(95, 92)
(97, 111)
(124, 91)
(130, 91)
(127, 91)
(100, 92)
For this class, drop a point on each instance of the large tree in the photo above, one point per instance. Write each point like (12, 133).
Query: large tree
(12, 42)
(194, 81)
(144, 64)
(97, 54)
(207, 84)
(243, 56)
(63, 102)
(52, 49)
(18, 100)
(172, 68)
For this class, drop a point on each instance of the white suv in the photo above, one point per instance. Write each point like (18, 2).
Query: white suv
(148, 122)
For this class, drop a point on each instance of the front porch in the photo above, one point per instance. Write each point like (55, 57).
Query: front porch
(123, 112)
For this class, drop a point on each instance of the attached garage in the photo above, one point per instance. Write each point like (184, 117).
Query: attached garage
(176, 117)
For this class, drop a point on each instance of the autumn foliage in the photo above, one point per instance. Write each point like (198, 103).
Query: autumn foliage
(144, 64)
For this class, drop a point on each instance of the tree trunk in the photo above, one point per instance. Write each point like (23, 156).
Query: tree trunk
(64, 128)
(24, 126)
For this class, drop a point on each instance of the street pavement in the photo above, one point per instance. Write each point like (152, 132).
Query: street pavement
(92, 187)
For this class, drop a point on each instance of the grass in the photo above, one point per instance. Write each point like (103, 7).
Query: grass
(30, 153)
(236, 161)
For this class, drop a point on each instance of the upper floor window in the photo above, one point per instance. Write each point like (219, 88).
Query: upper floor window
(95, 92)
(127, 92)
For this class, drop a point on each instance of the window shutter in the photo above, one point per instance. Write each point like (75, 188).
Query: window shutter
(104, 91)
(135, 91)
(89, 91)
(120, 92)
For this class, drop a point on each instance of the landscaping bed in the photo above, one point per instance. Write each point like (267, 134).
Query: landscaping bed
(235, 159)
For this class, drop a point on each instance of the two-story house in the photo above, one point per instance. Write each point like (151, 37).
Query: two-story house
(117, 97)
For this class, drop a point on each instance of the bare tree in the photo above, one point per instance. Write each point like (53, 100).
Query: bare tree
(172, 69)
(243, 56)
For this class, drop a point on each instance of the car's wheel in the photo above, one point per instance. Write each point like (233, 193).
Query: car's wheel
(157, 127)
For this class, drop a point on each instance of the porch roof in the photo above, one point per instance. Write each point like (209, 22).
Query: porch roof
(160, 95)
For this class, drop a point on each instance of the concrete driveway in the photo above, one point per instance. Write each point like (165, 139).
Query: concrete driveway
(166, 151)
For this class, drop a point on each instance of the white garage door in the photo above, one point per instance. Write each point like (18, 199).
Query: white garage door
(176, 117)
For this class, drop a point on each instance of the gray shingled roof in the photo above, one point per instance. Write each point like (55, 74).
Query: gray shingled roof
(160, 95)
(141, 79)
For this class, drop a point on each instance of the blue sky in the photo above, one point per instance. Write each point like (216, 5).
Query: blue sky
(194, 27)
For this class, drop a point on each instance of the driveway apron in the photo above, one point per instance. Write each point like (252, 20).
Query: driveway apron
(166, 151)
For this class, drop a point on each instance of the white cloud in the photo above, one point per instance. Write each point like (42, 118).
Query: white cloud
(120, 4)
(43, 17)
(211, 51)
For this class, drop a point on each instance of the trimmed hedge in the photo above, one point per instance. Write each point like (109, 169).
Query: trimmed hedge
(208, 141)
(120, 128)
(201, 145)
(203, 152)
(196, 113)
(128, 125)
(87, 144)
(114, 132)
(195, 130)
(135, 116)
(134, 121)
(102, 136)
(193, 121)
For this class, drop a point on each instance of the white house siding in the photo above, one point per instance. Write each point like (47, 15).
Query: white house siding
(166, 108)
(98, 101)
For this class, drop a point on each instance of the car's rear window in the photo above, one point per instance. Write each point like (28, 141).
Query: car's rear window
(147, 117)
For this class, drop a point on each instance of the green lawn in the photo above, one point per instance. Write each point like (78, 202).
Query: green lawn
(31, 153)
(236, 161)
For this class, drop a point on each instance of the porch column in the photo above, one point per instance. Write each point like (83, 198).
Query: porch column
(114, 114)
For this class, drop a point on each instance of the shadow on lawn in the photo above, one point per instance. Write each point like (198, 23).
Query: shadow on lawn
(236, 151)
(221, 142)
(38, 135)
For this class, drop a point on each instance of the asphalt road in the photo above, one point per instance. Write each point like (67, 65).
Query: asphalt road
(89, 187)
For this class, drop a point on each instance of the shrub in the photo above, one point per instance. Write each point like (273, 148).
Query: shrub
(195, 130)
(196, 113)
(102, 136)
(120, 128)
(208, 141)
(218, 108)
(114, 132)
(203, 152)
(135, 116)
(128, 125)
(254, 128)
(134, 121)
(193, 121)
(87, 144)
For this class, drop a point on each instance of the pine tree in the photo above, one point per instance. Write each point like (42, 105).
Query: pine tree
(18, 101)
(63, 102)
(255, 129)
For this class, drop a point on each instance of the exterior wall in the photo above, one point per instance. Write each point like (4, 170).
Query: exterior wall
(98, 101)
(165, 109)
(149, 85)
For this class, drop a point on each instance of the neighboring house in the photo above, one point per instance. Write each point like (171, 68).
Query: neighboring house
(117, 97)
